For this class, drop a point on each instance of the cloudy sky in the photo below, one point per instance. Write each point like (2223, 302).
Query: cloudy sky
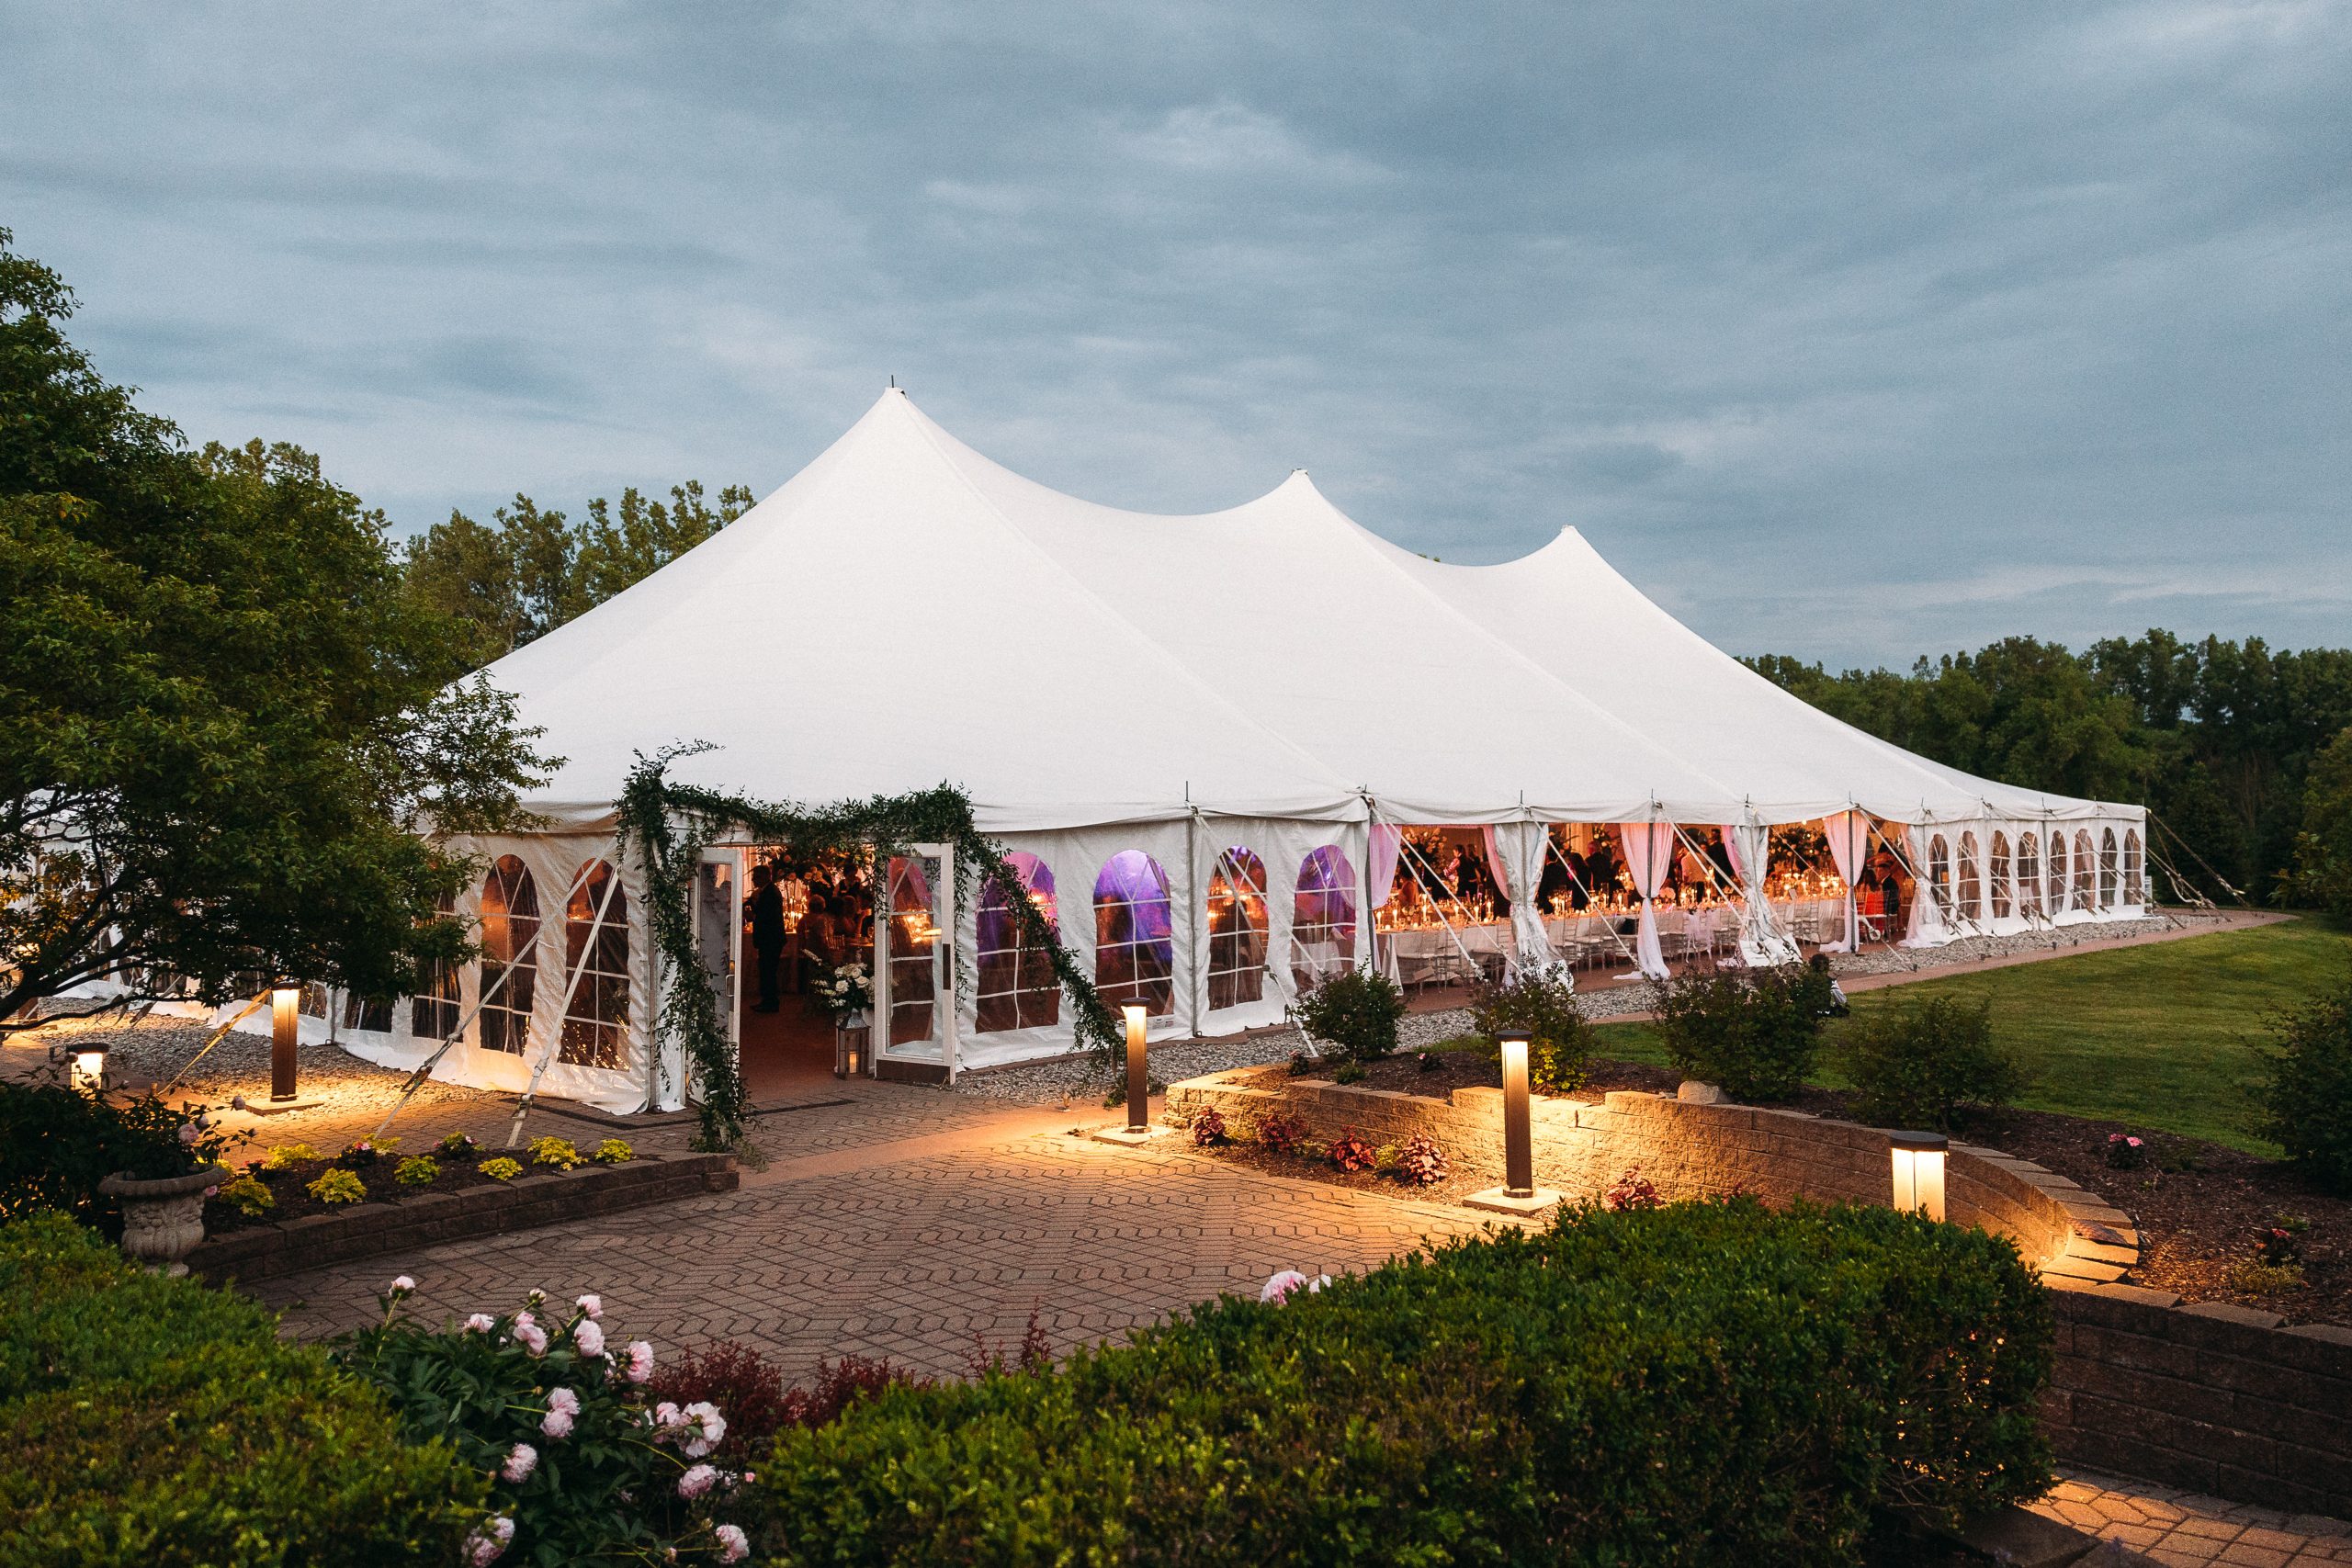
(1850, 330)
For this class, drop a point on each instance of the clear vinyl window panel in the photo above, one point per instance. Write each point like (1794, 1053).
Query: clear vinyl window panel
(2107, 869)
(509, 951)
(914, 945)
(1323, 918)
(2000, 875)
(1237, 929)
(1970, 888)
(2135, 872)
(596, 956)
(2085, 870)
(2029, 874)
(2058, 872)
(1135, 946)
(1017, 988)
(1940, 871)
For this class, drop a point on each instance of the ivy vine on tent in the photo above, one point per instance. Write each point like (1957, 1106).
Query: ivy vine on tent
(669, 825)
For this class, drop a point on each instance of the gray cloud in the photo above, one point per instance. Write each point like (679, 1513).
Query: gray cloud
(1850, 330)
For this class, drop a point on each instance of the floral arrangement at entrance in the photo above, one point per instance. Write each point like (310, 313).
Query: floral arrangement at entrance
(846, 993)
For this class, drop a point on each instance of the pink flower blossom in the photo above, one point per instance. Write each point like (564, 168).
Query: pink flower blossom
(640, 1361)
(1278, 1289)
(189, 1134)
(557, 1425)
(563, 1399)
(520, 1461)
(402, 1285)
(697, 1480)
(733, 1546)
(480, 1323)
(588, 1339)
(534, 1339)
(703, 1417)
(594, 1305)
(488, 1545)
(213, 1192)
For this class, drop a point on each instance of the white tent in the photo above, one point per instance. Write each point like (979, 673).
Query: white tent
(1258, 694)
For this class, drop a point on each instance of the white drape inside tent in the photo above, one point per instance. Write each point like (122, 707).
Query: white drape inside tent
(1749, 846)
(1387, 843)
(1926, 928)
(1515, 854)
(1849, 834)
(1649, 846)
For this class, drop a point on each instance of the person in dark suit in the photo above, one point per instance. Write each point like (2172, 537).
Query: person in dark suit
(767, 933)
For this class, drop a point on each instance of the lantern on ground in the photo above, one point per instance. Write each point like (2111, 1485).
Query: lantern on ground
(1138, 1081)
(89, 1070)
(1918, 1162)
(285, 1026)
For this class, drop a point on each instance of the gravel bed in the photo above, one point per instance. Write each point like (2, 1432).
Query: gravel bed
(1967, 950)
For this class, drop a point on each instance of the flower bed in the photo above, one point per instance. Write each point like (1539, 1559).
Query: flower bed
(293, 1180)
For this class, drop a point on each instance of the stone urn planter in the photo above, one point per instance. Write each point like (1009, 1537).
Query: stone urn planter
(163, 1218)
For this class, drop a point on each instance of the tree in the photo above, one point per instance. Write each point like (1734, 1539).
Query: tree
(229, 745)
(2322, 876)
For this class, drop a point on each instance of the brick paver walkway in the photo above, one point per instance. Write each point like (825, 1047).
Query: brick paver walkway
(2181, 1529)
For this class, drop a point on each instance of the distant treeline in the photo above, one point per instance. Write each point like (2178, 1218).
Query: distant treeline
(2217, 738)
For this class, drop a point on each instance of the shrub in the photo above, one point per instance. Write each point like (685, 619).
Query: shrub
(1926, 1064)
(1281, 1132)
(614, 1151)
(748, 1387)
(417, 1170)
(839, 1385)
(1349, 1072)
(1356, 1012)
(582, 1463)
(1559, 1046)
(147, 1421)
(337, 1186)
(364, 1152)
(1301, 1064)
(1631, 1191)
(2310, 1094)
(457, 1146)
(1208, 1129)
(57, 1145)
(1639, 1387)
(1350, 1154)
(499, 1170)
(1429, 1061)
(1422, 1162)
(1753, 1032)
(285, 1156)
(555, 1154)
(2281, 1241)
(249, 1195)
(2126, 1151)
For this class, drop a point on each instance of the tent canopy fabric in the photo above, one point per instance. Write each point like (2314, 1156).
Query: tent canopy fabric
(905, 610)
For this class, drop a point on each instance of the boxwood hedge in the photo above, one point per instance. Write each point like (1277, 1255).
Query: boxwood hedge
(1703, 1382)
(156, 1422)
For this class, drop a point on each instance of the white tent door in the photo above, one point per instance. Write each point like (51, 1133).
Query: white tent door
(920, 907)
(718, 924)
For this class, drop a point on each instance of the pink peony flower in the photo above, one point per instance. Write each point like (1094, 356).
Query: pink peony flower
(488, 1545)
(594, 1305)
(557, 1425)
(213, 1192)
(703, 1417)
(733, 1546)
(402, 1285)
(534, 1339)
(523, 1460)
(1278, 1289)
(189, 1134)
(640, 1361)
(696, 1481)
(480, 1323)
(563, 1399)
(588, 1339)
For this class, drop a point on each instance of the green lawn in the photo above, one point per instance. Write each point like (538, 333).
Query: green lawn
(2167, 1036)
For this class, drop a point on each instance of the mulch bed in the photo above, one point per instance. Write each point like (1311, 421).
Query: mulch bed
(2198, 1206)
(290, 1185)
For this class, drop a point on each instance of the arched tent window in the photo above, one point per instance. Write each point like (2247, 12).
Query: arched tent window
(1972, 889)
(1017, 986)
(1237, 914)
(2085, 870)
(2107, 868)
(2058, 872)
(2028, 874)
(432, 1012)
(1940, 872)
(1323, 918)
(2135, 891)
(1135, 946)
(596, 959)
(510, 947)
(2000, 875)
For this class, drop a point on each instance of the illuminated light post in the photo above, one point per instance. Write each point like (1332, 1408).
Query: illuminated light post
(285, 1027)
(90, 1070)
(1138, 1081)
(1918, 1170)
(1518, 1194)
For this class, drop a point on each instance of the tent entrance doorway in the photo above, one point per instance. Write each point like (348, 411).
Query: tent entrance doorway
(802, 919)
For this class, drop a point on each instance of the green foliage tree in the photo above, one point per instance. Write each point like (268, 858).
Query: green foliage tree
(2309, 1097)
(1926, 1064)
(1751, 1032)
(228, 726)
(508, 585)
(2322, 874)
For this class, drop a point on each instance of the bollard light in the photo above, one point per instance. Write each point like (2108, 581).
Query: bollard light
(1919, 1161)
(90, 1070)
(1518, 1143)
(1139, 1081)
(285, 1026)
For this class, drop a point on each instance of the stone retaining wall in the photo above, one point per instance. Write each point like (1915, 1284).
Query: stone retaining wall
(2211, 1397)
(369, 1230)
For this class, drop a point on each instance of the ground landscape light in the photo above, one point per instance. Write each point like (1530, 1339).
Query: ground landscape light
(1918, 1162)
(1138, 1083)
(285, 1021)
(90, 1069)
(1519, 1144)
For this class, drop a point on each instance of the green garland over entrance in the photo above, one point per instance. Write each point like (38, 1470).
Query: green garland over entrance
(669, 826)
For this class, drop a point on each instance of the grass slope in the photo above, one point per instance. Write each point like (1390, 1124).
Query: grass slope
(2169, 1035)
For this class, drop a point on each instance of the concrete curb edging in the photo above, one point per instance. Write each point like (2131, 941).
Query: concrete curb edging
(372, 1229)
(2209, 1396)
